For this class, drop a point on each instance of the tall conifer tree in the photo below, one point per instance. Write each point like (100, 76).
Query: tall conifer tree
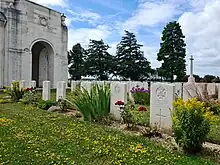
(98, 61)
(76, 62)
(131, 63)
(172, 52)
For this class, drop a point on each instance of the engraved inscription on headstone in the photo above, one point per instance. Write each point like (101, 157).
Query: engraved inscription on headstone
(160, 115)
(161, 93)
(117, 89)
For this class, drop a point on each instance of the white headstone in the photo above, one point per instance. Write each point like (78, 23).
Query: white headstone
(61, 90)
(118, 93)
(161, 103)
(179, 90)
(87, 85)
(33, 84)
(99, 83)
(211, 89)
(74, 85)
(218, 88)
(201, 89)
(145, 85)
(22, 84)
(189, 90)
(46, 90)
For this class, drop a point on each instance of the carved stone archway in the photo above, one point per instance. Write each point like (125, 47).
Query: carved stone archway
(42, 62)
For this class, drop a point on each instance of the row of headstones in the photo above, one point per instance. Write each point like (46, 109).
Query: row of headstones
(161, 102)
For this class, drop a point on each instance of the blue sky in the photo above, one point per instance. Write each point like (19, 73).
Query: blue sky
(107, 20)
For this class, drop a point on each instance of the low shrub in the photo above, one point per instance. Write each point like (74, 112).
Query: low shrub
(141, 95)
(30, 97)
(125, 112)
(94, 104)
(132, 115)
(214, 106)
(15, 92)
(45, 105)
(191, 124)
(141, 116)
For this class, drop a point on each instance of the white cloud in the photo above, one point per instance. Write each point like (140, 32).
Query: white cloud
(150, 52)
(112, 49)
(202, 38)
(82, 35)
(68, 21)
(61, 3)
(150, 14)
(82, 15)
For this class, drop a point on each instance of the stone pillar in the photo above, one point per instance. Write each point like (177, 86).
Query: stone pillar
(26, 64)
(2, 49)
(191, 79)
(118, 93)
(46, 90)
(61, 90)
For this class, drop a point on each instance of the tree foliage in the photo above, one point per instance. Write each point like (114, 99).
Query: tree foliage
(172, 52)
(98, 60)
(76, 62)
(209, 78)
(131, 63)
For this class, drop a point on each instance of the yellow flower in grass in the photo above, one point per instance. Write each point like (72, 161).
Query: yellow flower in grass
(5, 121)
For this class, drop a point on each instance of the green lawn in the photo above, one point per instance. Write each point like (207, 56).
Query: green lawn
(31, 136)
(214, 135)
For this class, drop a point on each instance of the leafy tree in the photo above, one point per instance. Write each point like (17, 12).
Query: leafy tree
(98, 61)
(209, 78)
(131, 63)
(172, 52)
(76, 62)
(197, 78)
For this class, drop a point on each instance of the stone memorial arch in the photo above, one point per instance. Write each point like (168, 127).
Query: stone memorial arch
(33, 43)
(42, 53)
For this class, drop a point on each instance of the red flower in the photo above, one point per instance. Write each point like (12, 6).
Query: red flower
(28, 89)
(141, 109)
(119, 102)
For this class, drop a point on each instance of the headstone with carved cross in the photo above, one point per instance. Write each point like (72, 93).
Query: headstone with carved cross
(161, 105)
